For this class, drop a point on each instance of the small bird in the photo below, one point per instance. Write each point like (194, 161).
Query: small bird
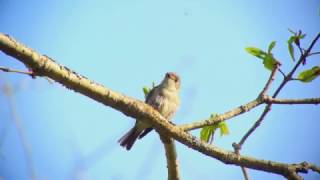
(165, 99)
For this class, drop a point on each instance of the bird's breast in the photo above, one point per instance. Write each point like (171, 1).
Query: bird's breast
(168, 104)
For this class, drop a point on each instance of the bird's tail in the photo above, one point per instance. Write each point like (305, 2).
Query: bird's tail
(129, 138)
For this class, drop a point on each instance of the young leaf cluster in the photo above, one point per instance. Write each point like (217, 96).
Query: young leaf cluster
(267, 57)
(293, 42)
(207, 133)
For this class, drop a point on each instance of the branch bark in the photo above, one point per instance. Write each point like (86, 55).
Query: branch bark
(271, 100)
(171, 155)
(42, 65)
(222, 117)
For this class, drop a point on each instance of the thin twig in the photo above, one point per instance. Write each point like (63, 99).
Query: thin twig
(295, 79)
(314, 53)
(255, 126)
(283, 74)
(270, 80)
(5, 69)
(300, 49)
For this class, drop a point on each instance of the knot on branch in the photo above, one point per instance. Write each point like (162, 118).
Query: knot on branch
(236, 147)
(304, 167)
(244, 108)
(266, 99)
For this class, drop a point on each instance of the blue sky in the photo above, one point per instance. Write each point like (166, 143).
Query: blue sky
(126, 45)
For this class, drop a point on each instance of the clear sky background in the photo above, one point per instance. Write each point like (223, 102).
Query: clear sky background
(127, 44)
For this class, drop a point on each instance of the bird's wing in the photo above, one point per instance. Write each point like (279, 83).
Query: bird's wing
(153, 98)
(151, 93)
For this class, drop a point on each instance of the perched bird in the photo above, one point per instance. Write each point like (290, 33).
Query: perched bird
(165, 99)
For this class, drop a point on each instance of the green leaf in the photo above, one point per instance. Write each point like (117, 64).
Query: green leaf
(295, 38)
(256, 52)
(146, 91)
(224, 130)
(291, 51)
(290, 47)
(269, 62)
(271, 46)
(207, 133)
(309, 75)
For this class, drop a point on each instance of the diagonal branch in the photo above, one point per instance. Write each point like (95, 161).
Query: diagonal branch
(245, 173)
(270, 80)
(238, 146)
(44, 66)
(263, 93)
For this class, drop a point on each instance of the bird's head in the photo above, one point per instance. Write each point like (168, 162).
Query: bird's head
(171, 81)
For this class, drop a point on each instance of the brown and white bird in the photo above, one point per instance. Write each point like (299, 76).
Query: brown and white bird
(165, 99)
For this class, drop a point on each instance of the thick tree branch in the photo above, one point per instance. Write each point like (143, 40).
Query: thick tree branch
(45, 66)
